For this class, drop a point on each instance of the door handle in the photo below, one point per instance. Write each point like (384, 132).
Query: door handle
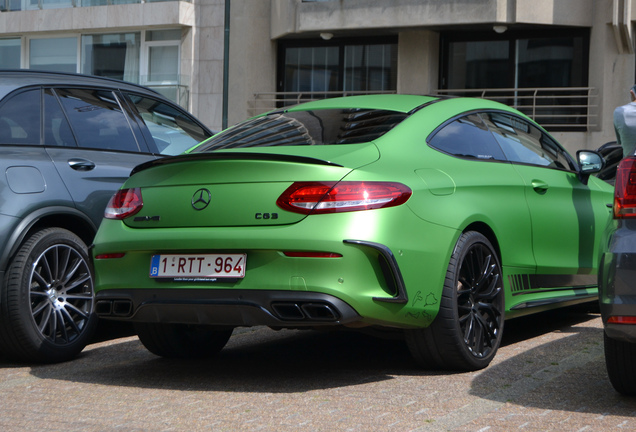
(540, 186)
(81, 164)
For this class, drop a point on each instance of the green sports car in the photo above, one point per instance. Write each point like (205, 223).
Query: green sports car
(437, 217)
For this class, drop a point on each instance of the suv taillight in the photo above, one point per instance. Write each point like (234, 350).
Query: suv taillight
(625, 189)
(125, 203)
(333, 197)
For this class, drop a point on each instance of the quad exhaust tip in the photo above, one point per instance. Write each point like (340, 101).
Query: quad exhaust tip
(120, 308)
(296, 311)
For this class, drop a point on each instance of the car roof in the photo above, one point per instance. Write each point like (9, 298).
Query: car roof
(405, 103)
(12, 79)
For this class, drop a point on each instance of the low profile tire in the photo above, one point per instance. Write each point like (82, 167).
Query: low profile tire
(620, 360)
(467, 331)
(182, 340)
(47, 304)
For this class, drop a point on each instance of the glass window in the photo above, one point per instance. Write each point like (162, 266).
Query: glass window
(467, 137)
(162, 56)
(53, 54)
(10, 5)
(477, 64)
(97, 119)
(370, 67)
(338, 65)
(163, 35)
(163, 63)
(524, 143)
(301, 128)
(550, 62)
(514, 59)
(112, 55)
(171, 130)
(311, 69)
(555, 61)
(20, 119)
(10, 53)
(57, 131)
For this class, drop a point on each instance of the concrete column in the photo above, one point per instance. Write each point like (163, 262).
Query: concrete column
(418, 62)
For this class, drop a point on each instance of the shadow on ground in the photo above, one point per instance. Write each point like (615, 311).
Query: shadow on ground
(291, 361)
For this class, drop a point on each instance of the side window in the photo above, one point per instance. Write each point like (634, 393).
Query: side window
(171, 130)
(20, 119)
(57, 131)
(97, 119)
(524, 143)
(469, 137)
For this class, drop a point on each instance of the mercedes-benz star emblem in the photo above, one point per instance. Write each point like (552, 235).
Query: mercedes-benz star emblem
(201, 199)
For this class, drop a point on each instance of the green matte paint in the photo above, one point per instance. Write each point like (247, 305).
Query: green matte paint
(531, 232)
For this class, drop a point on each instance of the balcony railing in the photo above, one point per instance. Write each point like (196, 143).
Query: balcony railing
(557, 108)
(21, 5)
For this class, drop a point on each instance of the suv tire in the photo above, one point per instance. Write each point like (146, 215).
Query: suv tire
(47, 306)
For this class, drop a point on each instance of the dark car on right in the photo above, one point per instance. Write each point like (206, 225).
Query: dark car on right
(617, 284)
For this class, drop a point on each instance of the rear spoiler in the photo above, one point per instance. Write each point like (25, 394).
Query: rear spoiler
(192, 157)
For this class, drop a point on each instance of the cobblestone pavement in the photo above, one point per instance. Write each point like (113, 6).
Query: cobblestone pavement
(548, 376)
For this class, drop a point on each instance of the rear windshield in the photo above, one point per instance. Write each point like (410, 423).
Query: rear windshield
(298, 128)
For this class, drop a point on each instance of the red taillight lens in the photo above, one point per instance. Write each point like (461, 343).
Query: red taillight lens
(125, 203)
(333, 197)
(622, 320)
(625, 189)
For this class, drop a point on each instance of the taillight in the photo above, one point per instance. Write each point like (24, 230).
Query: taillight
(625, 189)
(333, 197)
(621, 320)
(125, 203)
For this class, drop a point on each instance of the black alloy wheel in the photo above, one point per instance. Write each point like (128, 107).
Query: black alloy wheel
(467, 331)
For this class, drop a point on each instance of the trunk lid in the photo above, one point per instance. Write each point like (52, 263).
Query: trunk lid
(237, 188)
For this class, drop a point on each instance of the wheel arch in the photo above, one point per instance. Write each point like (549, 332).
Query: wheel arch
(61, 217)
(485, 230)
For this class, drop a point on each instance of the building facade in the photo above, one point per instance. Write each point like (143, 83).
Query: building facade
(175, 47)
(566, 63)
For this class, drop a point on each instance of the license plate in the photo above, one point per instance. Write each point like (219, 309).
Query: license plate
(198, 266)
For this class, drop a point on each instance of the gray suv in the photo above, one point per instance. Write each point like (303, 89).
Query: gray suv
(67, 142)
(617, 283)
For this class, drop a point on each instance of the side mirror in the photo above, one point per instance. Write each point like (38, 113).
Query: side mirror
(590, 162)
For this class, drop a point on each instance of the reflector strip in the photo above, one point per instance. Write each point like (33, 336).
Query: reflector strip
(298, 254)
(621, 320)
(110, 256)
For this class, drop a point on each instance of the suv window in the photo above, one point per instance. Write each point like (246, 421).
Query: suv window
(453, 139)
(97, 119)
(525, 143)
(20, 119)
(170, 131)
(57, 131)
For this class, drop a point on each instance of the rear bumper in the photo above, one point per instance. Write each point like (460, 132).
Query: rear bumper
(224, 307)
(390, 274)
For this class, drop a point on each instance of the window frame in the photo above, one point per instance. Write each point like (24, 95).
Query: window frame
(573, 165)
(78, 47)
(144, 60)
(341, 44)
(512, 36)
